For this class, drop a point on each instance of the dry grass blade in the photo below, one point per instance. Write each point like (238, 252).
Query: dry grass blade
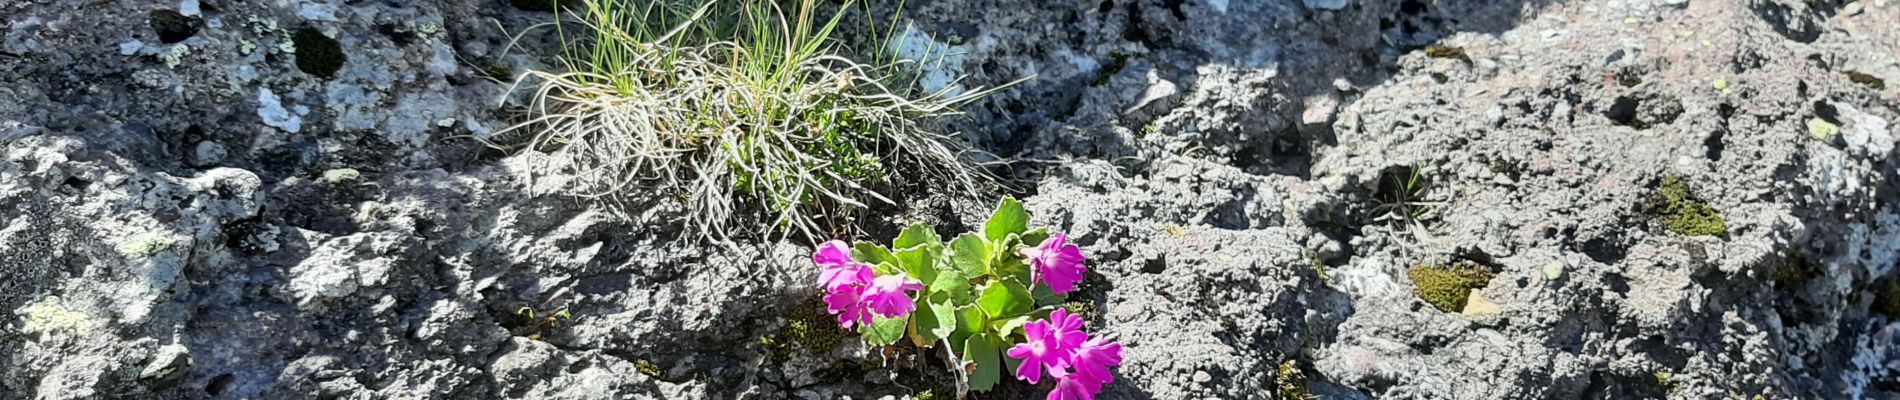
(740, 109)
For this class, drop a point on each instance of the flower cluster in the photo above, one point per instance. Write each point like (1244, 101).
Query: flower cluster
(984, 295)
(854, 291)
(1057, 344)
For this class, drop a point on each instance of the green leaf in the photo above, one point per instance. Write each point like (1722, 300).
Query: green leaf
(1008, 327)
(871, 253)
(885, 331)
(953, 283)
(986, 351)
(1009, 218)
(1035, 237)
(920, 262)
(970, 254)
(1047, 297)
(970, 320)
(936, 319)
(1005, 298)
(918, 234)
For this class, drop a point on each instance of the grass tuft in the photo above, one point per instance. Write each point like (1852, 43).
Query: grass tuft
(744, 109)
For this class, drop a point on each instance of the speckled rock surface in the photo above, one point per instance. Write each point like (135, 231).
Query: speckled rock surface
(282, 199)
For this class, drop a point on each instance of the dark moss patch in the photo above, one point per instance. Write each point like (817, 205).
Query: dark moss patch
(1443, 51)
(318, 55)
(1796, 270)
(1866, 79)
(1887, 299)
(1449, 287)
(173, 27)
(1684, 213)
(1115, 65)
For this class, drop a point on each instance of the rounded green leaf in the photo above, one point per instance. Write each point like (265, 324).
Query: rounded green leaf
(915, 235)
(986, 350)
(970, 254)
(884, 331)
(1009, 218)
(878, 256)
(952, 283)
(920, 262)
(936, 319)
(1005, 298)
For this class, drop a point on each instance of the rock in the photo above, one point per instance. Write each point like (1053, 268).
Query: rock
(1326, 4)
(1866, 135)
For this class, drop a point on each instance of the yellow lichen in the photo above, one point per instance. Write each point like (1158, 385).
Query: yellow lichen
(144, 246)
(47, 315)
(1448, 287)
(649, 368)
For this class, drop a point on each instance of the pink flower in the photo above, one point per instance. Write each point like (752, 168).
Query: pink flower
(846, 302)
(1066, 330)
(840, 269)
(1092, 359)
(1074, 387)
(887, 295)
(1056, 263)
(1042, 351)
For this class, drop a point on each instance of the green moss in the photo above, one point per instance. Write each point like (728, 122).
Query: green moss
(1448, 287)
(1118, 61)
(1443, 51)
(1887, 299)
(927, 395)
(648, 368)
(1290, 382)
(1684, 213)
(318, 55)
(805, 326)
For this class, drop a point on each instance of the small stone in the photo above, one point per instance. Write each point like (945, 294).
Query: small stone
(1853, 8)
(1477, 306)
(341, 175)
(1343, 85)
(167, 365)
(1319, 110)
(1203, 377)
(207, 153)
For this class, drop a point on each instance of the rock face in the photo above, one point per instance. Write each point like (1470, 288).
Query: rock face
(224, 199)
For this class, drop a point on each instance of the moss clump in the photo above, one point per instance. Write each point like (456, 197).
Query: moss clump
(805, 326)
(318, 55)
(1443, 51)
(648, 368)
(1290, 382)
(1448, 287)
(1683, 213)
(1887, 299)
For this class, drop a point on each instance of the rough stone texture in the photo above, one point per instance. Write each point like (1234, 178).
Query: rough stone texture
(185, 212)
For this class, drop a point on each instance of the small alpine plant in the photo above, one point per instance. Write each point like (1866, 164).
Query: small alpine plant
(992, 300)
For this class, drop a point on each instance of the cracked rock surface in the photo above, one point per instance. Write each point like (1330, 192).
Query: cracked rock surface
(1674, 199)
